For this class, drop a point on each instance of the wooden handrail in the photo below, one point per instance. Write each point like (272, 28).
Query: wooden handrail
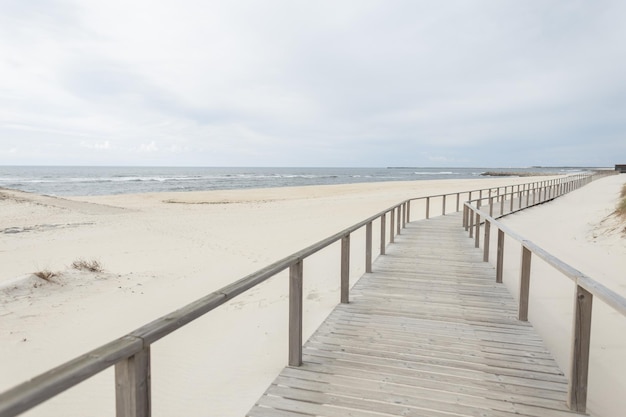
(586, 287)
(131, 353)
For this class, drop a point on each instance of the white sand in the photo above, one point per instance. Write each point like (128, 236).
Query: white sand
(579, 228)
(161, 255)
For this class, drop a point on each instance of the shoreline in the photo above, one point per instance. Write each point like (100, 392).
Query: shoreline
(160, 256)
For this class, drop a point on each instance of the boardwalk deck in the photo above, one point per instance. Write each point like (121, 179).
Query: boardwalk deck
(428, 333)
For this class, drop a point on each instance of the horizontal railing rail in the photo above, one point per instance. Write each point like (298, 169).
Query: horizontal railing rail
(130, 354)
(586, 287)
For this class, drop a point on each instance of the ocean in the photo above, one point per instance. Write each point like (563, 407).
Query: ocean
(83, 181)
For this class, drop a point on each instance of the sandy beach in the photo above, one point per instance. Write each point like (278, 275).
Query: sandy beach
(163, 250)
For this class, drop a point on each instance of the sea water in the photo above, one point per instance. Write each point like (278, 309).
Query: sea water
(77, 181)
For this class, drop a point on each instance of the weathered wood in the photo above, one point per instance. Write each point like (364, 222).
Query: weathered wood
(500, 258)
(383, 233)
(486, 241)
(524, 284)
(426, 335)
(458, 201)
(368, 247)
(465, 222)
(408, 211)
(132, 385)
(295, 312)
(443, 206)
(392, 221)
(427, 207)
(345, 269)
(477, 232)
(399, 220)
(43, 387)
(579, 362)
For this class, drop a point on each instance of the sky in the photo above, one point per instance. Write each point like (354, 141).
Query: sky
(313, 83)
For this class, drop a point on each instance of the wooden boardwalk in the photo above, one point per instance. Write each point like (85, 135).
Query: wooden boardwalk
(428, 333)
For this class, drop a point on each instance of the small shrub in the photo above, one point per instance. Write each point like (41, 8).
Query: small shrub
(46, 275)
(91, 266)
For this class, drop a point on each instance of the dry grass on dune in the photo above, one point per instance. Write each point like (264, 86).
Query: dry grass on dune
(621, 206)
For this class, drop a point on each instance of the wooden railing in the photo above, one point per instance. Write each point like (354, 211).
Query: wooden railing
(586, 287)
(130, 354)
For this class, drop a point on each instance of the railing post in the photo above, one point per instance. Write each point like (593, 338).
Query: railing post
(408, 211)
(477, 232)
(295, 313)
(399, 219)
(579, 362)
(345, 269)
(500, 258)
(383, 232)
(503, 198)
(404, 213)
(427, 207)
(443, 206)
(470, 215)
(458, 201)
(368, 247)
(528, 196)
(512, 195)
(133, 386)
(392, 221)
(465, 222)
(491, 206)
(524, 285)
(486, 240)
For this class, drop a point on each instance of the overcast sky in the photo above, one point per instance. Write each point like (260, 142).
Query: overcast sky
(313, 83)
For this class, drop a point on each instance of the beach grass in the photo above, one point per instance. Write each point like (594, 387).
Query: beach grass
(90, 266)
(621, 206)
(45, 274)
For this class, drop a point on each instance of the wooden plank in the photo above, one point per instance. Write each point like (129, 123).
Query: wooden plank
(500, 257)
(399, 220)
(581, 339)
(392, 220)
(383, 233)
(429, 380)
(132, 385)
(486, 241)
(345, 269)
(415, 397)
(295, 314)
(368, 247)
(427, 333)
(524, 284)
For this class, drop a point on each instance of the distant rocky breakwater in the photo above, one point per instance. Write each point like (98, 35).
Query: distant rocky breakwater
(515, 174)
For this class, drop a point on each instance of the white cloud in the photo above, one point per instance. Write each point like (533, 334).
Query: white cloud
(322, 83)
